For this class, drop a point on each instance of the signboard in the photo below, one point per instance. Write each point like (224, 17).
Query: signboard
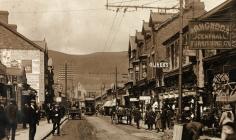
(233, 35)
(189, 52)
(27, 64)
(144, 98)
(210, 35)
(58, 99)
(133, 99)
(161, 64)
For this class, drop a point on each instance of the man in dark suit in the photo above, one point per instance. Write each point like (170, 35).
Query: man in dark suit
(56, 119)
(11, 112)
(33, 119)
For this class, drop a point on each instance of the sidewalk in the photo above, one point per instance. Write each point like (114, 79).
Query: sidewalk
(166, 135)
(41, 131)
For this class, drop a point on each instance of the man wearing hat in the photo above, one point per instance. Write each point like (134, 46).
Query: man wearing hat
(227, 118)
(56, 118)
(33, 119)
(11, 112)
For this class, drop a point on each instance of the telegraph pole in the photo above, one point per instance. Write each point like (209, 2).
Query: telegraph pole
(180, 60)
(116, 88)
(66, 79)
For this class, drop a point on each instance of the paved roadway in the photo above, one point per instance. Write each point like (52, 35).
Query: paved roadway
(100, 128)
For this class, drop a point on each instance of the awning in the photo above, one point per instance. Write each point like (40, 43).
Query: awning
(110, 103)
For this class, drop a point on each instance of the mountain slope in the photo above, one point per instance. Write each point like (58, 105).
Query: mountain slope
(91, 70)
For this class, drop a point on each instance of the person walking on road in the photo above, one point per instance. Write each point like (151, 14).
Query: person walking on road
(56, 119)
(33, 115)
(129, 116)
(137, 117)
(3, 122)
(11, 112)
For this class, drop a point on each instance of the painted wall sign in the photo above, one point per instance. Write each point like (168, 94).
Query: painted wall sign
(210, 35)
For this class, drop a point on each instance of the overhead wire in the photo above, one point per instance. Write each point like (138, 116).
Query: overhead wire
(111, 28)
(118, 29)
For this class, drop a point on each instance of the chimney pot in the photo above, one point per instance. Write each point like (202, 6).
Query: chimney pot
(4, 16)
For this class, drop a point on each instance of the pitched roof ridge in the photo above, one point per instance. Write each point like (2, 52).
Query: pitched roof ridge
(22, 36)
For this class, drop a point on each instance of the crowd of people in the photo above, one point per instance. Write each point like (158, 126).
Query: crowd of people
(220, 120)
(160, 119)
(31, 115)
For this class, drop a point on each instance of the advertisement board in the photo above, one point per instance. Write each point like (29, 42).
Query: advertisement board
(210, 35)
(27, 64)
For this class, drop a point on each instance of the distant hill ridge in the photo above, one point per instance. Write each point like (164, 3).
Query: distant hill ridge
(92, 70)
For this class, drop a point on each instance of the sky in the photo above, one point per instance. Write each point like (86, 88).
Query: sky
(82, 26)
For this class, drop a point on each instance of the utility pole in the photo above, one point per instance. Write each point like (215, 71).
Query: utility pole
(180, 60)
(116, 89)
(66, 79)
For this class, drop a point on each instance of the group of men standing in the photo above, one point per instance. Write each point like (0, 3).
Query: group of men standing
(9, 118)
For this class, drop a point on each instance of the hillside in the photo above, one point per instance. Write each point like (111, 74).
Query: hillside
(91, 70)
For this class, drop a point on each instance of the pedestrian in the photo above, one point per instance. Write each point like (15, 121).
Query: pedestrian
(137, 117)
(186, 115)
(25, 113)
(226, 122)
(3, 123)
(163, 119)
(150, 118)
(11, 112)
(48, 112)
(129, 116)
(56, 119)
(169, 115)
(158, 121)
(33, 115)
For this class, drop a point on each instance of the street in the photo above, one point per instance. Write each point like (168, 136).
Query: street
(100, 128)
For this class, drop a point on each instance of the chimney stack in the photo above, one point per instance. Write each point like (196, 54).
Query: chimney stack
(196, 4)
(4, 16)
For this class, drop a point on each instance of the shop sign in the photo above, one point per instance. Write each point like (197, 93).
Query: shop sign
(58, 99)
(210, 35)
(161, 64)
(189, 52)
(133, 100)
(27, 64)
(144, 98)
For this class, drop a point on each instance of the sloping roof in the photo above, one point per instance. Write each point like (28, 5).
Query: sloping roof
(146, 27)
(132, 43)
(21, 36)
(159, 17)
(224, 7)
(139, 36)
